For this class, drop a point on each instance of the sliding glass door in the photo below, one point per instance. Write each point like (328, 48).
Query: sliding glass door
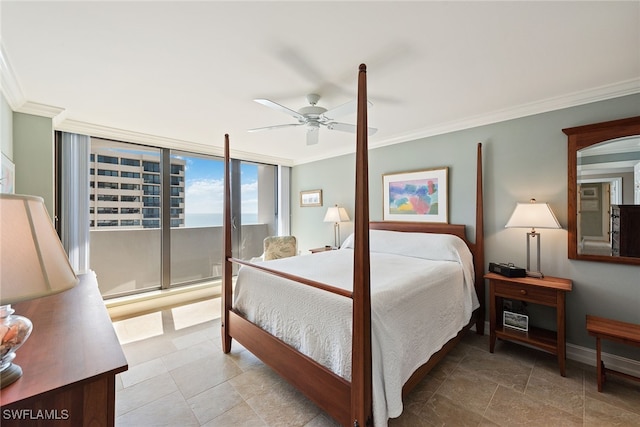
(156, 215)
(196, 241)
(125, 200)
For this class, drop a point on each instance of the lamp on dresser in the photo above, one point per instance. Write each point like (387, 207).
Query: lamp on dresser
(33, 264)
(533, 215)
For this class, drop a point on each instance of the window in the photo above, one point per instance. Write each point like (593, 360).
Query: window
(190, 218)
(108, 159)
(151, 201)
(151, 190)
(130, 199)
(107, 172)
(151, 166)
(103, 211)
(113, 185)
(129, 162)
(148, 178)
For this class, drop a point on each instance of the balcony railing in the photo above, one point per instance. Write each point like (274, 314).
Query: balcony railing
(127, 261)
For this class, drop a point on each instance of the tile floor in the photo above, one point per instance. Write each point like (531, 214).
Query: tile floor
(178, 376)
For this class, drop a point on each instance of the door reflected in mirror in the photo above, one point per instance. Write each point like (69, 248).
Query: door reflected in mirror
(604, 191)
(608, 181)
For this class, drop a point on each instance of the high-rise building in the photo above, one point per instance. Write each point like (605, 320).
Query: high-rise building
(126, 189)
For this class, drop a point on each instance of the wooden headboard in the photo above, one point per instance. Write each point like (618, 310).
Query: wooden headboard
(477, 247)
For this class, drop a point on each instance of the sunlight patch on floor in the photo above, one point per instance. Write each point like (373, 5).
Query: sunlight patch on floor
(139, 328)
(196, 313)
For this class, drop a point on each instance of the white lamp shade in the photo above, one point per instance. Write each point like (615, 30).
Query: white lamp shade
(33, 262)
(336, 214)
(533, 215)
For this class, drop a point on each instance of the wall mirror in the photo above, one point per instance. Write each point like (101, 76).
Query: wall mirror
(604, 191)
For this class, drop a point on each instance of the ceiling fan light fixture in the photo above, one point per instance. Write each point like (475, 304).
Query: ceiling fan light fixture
(313, 98)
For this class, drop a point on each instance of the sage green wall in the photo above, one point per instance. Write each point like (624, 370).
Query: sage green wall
(523, 158)
(33, 155)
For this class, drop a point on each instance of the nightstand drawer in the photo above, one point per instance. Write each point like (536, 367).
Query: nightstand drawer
(526, 293)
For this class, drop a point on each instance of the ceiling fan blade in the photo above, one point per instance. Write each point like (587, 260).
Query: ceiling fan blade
(281, 108)
(312, 135)
(276, 127)
(345, 127)
(342, 110)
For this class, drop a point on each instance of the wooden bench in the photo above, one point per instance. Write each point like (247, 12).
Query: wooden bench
(612, 330)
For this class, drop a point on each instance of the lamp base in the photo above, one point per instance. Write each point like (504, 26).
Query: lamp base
(536, 274)
(10, 375)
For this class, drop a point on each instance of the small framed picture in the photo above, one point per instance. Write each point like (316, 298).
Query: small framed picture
(589, 192)
(311, 198)
(515, 320)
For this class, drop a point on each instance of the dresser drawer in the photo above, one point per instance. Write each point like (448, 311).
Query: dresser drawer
(524, 292)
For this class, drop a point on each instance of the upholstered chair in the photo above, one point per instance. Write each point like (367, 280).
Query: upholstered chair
(279, 247)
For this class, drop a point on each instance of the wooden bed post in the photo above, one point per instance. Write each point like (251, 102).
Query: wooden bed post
(227, 267)
(478, 258)
(361, 383)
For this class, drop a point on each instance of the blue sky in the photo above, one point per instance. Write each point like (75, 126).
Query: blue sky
(204, 186)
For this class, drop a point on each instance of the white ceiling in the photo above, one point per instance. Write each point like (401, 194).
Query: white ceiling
(189, 71)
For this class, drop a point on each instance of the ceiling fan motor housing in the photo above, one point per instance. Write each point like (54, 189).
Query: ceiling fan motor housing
(312, 112)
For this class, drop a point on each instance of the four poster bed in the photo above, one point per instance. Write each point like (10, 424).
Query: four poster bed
(357, 328)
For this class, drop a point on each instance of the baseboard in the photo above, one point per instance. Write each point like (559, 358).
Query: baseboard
(612, 361)
(588, 357)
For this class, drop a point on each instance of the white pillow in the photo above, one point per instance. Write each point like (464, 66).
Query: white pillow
(444, 247)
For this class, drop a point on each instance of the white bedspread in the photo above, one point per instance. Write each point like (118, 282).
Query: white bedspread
(417, 305)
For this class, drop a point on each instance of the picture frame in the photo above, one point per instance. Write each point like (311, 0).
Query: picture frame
(7, 175)
(310, 198)
(515, 320)
(409, 196)
(589, 192)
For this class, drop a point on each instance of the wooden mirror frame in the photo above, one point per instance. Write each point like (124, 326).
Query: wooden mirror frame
(581, 137)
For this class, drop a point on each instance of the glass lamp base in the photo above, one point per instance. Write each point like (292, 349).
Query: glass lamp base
(14, 331)
(10, 374)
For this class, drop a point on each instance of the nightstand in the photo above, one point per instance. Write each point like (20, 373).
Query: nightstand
(549, 291)
(322, 249)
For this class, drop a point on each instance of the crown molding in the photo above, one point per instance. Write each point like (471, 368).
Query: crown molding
(43, 110)
(9, 84)
(602, 93)
(116, 134)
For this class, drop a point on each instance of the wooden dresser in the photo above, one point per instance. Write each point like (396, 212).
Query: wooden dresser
(69, 362)
(625, 230)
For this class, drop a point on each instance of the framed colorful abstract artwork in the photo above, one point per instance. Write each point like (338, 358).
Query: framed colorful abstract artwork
(416, 196)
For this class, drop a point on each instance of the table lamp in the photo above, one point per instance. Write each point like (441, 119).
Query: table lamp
(533, 215)
(336, 215)
(33, 264)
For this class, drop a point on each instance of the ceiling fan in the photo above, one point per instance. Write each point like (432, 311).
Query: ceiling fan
(313, 117)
